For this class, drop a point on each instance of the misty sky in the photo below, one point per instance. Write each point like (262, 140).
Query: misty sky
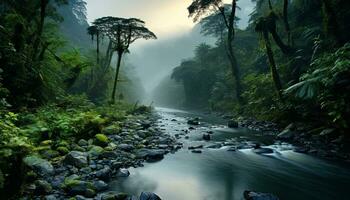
(168, 19)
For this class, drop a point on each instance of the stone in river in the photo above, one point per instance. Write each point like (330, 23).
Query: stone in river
(249, 195)
(149, 196)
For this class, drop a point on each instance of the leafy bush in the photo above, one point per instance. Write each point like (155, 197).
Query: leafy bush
(326, 84)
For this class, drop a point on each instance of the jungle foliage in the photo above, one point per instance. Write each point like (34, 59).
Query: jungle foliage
(293, 60)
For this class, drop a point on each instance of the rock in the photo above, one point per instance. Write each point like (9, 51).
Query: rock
(110, 155)
(194, 121)
(150, 155)
(63, 150)
(195, 147)
(196, 151)
(232, 124)
(101, 140)
(77, 187)
(50, 197)
(206, 137)
(83, 142)
(286, 134)
(232, 149)
(49, 154)
(104, 174)
(214, 146)
(263, 151)
(42, 187)
(80, 197)
(38, 165)
(100, 185)
(76, 158)
(123, 173)
(146, 124)
(248, 195)
(114, 196)
(126, 147)
(95, 151)
(112, 129)
(327, 132)
(149, 196)
(301, 149)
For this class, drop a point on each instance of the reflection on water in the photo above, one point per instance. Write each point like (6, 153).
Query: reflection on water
(220, 174)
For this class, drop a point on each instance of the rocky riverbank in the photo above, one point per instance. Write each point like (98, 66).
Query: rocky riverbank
(325, 143)
(85, 170)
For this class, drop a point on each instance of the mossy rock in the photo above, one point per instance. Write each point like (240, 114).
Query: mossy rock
(112, 129)
(46, 143)
(96, 150)
(101, 140)
(63, 150)
(63, 143)
(49, 154)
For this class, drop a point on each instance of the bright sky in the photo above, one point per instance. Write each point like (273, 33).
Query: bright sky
(164, 17)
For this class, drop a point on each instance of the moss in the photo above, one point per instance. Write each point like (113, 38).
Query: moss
(63, 150)
(101, 140)
(46, 143)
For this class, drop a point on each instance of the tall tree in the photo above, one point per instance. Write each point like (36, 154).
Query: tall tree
(200, 7)
(122, 32)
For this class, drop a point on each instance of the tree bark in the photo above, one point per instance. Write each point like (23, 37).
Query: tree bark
(231, 55)
(98, 47)
(120, 54)
(43, 8)
(286, 21)
(273, 68)
(331, 24)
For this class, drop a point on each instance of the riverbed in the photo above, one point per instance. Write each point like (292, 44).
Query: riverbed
(219, 174)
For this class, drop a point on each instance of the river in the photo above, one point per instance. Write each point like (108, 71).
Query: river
(219, 174)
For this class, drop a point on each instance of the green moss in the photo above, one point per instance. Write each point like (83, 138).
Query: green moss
(46, 143)
(63, 150)
(101, 140)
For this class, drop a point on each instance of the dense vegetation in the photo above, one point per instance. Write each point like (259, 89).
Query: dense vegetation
(57, 85)
(293, 62)
(53, 87)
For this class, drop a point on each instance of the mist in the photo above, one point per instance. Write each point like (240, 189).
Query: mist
(177, 35)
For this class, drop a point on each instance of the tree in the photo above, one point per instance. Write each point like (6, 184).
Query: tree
(122, 32)
(200, 7)
(262, 27)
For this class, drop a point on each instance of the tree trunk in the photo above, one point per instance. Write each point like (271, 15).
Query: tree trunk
(231, 55)
(120, 53)
(273, 68)
(284, 48)
(43, 8)
(98, 48)
(330, 21)
(286, 21)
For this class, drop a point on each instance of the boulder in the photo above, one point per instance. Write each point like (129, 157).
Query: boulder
(286, 134)
(196, 151)
(263, 151)
(38, 165)
(42, 187)
(149, 196)
(206, 137)
(104, 174)
(194, 121)
(83, 142)
(195, 147)
(249, 195)
(100, 185)
(126, 147)
(77, 187)
(101, 140)
(123, 173)
(77, 159)
(232, 124)
(151, 155)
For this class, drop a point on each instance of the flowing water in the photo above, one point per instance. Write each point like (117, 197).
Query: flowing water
(218, 174)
